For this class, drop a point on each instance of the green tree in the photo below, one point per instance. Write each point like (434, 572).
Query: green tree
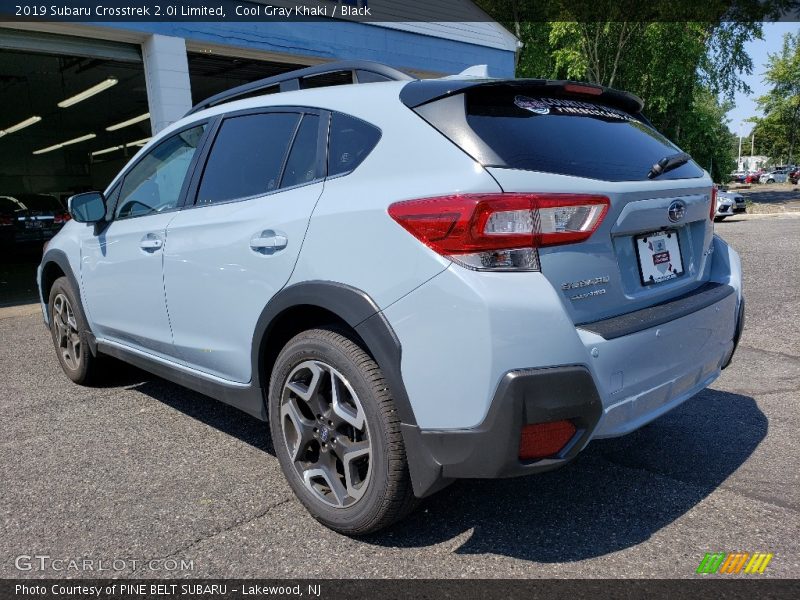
(705, 135)
(777, 131)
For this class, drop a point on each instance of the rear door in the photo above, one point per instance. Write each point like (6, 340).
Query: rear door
(652, 244)
(236, 247)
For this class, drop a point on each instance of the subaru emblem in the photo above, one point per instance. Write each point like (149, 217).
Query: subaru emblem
(676, 211)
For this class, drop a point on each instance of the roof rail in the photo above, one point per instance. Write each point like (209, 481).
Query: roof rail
(362, 71)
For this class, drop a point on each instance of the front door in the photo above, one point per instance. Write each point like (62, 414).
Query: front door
(122, 265)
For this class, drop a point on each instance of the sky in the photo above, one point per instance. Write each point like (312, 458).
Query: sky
(745, 105)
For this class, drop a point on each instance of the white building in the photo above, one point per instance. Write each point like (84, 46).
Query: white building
(752, 163)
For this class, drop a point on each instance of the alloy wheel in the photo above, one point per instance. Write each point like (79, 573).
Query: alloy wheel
(326, 433)
(68, 338)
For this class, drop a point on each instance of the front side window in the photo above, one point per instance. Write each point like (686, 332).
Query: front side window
(247, 157)
(154, 184)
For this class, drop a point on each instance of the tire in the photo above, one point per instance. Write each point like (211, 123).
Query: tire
(317, 444)
(718, 219)
(770, 181)
(70, 333)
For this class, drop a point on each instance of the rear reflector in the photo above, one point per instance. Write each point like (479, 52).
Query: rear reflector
(500, 231)
(544, 439)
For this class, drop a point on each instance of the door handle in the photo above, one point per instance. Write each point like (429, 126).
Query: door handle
(268, 242)
(151, 242)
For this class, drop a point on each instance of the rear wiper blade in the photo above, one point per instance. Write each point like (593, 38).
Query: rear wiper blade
(673, 161)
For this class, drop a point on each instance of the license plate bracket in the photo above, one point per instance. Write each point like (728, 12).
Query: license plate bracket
(659, 256)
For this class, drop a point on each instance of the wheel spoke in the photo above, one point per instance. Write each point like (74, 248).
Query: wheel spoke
(303, 390)
(348, 452)
(303, 427)
(339, 390)
(338, 493)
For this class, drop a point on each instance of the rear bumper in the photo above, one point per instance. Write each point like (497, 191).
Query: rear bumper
(598, 404)
(480, 361)
(490, 450)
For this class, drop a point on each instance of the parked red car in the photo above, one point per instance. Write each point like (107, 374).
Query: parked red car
(752, 176)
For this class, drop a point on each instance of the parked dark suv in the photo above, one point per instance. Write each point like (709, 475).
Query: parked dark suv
(30, 217)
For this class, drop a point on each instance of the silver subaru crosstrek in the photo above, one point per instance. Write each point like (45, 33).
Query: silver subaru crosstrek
(413, 281)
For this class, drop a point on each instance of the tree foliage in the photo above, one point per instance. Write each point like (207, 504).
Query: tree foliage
(777, 132)
(685, 71)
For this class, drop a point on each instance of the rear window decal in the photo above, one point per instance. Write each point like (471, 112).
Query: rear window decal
(532, 104)
(558, 106)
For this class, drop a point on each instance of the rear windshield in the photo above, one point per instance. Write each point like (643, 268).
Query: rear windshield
(568, 136)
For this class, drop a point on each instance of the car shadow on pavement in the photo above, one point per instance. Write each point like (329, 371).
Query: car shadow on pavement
(615, 495)
(213, 413)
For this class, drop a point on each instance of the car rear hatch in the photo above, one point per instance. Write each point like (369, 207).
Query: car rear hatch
(40, 212)
(563, 138)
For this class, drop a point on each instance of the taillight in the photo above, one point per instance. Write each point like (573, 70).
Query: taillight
(500, 231)
(61, 219)
(713, 208)
(6, 220)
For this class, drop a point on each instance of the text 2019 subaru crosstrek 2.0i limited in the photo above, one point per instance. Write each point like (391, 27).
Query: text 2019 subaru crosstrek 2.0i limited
(413, 281)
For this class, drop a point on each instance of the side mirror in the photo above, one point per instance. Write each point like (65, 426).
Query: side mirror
(87, 208)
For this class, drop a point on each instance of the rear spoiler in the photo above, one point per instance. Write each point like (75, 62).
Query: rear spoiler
(422, 91)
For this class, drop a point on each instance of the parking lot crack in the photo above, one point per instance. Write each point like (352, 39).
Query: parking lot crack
(785, 355)
(732, 489)
(230, 527)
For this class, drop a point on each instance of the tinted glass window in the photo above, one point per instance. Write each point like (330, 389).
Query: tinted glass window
(8, 205)
(370, 77)
(568, 136)
(326, 80)
(154, 184)
(247, 157)
(351, 140)
(40, 202)
(301, 166)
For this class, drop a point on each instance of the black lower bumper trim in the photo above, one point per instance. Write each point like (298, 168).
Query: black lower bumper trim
(737, 335)
(653, 316)
(491, 449)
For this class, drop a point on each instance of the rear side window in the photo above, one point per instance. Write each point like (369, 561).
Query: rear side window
(247, 157)
(301, 166)
(568, 136)
(351, 140)
(326, 80)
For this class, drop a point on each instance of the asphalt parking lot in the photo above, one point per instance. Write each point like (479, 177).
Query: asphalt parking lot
(143, 469)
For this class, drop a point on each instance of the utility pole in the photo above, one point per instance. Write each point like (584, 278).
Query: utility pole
(752, 142)
(739, 162)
